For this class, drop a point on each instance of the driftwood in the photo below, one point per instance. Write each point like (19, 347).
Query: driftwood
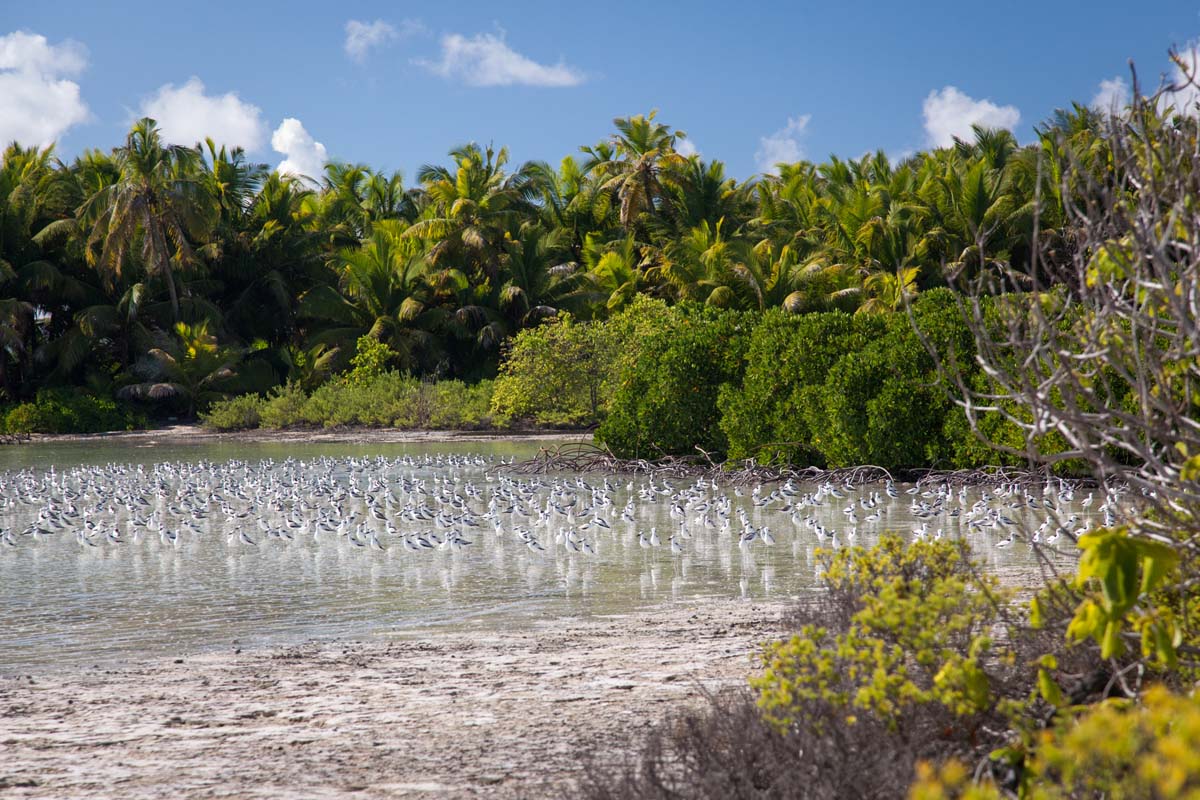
(583, 457)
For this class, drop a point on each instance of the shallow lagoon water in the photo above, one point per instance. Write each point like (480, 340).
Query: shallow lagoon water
(65, 604)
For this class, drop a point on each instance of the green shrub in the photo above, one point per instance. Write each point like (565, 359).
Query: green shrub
(666, 400)
(566, 372)
(919, 634)
(235, 414)
(884, 404)
(283, 407)
(388, 400)
(553, 373)
(70, 411)
(769, 415)
(458, 405)
(371, 360)
(1116, 749)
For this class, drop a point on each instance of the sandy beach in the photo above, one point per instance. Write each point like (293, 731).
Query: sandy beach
(429, 714)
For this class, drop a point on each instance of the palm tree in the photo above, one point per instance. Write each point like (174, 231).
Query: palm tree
(699, 192)
(385, 197)
(572, 201)
(472, 209)
(37, 295)
(702, 265)
(384, 292)
(616, 272)
(16, 334)
(157, 207)
(645, 148)
(191, 365)
(981, 216)
(540, 278)
(270, 256)
(341, 204)
(889, 291)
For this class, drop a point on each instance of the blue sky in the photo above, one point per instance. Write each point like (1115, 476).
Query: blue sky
(396, 85)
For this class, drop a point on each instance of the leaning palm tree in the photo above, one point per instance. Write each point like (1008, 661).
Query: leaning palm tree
(154, 211)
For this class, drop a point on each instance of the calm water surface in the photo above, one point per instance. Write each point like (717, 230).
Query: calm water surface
(66, 603)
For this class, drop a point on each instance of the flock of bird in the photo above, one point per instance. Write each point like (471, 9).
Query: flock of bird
(445, 502)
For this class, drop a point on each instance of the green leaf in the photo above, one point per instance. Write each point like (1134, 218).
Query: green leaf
(1157, 561)
(1049, 689)
(1111, 645)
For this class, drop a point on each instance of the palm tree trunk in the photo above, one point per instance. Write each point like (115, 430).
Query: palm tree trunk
(169, 276)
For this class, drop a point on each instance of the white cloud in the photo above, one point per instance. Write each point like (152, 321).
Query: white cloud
(1112, 96)
(783, 146)
(186, 115)
(303, 156)
(1185, 76)
(361, 37)
(486, 60)
(37, 103)
(950, 113)
(686, 147)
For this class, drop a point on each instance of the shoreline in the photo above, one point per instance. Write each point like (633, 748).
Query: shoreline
(454, 713)
(198, 434)
(573, 450)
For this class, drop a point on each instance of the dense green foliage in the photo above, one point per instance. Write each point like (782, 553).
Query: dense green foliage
(565, 372)
(914, 673)
(68, 411)
(388, 400)
(827, 388)
(666, 398)
(173, 276)
(837, 390)
(370, 394)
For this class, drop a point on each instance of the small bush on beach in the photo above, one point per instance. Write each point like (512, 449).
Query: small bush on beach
(235, 414)
(70, 411)
(1117, 749)
(387, 400)
(282, 406)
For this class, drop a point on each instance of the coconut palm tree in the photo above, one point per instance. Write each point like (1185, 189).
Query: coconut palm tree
(702, 266)
(383, 291)
(889, 291)
(616, 272)
(190, 365)
(471, 209)
(572, 201)
(540, 279)
(700, 192)
(644, 149)
(152, 215)
(16, 334)
(385, 197)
